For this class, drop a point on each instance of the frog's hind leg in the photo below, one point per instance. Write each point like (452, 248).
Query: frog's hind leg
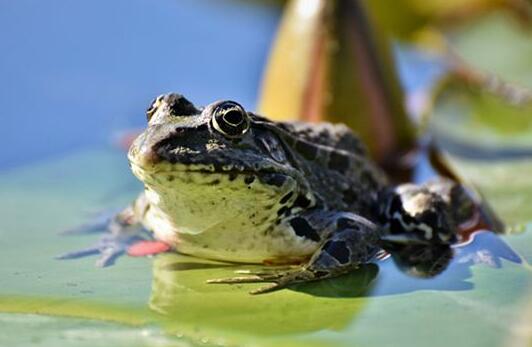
(425, 214)
(349, 241)
(122, 232)
(422, 222)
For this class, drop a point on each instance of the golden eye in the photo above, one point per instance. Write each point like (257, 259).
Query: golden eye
(153, 107)
(230, 119)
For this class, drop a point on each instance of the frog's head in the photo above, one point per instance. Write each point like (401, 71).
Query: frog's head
(218, 157)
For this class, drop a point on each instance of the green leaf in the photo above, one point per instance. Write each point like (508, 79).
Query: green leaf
(497, 44)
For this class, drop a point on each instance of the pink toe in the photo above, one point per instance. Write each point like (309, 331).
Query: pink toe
(144, 248)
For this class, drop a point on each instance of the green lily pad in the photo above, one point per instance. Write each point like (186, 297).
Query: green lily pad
(497, 44)
(31, 329)
(469, 116)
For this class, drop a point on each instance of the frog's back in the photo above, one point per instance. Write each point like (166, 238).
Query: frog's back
(335, 164)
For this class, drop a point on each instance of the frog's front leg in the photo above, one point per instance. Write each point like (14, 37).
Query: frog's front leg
(122, 232)
(348, 241)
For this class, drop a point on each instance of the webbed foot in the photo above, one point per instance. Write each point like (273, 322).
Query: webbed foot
(109, 247)
(281, 279)
(122, 233)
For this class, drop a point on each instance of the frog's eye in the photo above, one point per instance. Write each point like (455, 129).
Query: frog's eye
(230, 119)
(153, 107)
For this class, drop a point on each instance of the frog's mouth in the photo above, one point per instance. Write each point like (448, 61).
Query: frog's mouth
(152, 161)
(164, 172)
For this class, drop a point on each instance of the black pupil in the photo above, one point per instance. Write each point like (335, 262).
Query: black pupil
(233, 117)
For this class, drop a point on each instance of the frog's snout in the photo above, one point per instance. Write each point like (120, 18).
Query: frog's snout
(142, 153)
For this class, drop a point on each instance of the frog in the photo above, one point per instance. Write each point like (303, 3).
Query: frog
(227, 184)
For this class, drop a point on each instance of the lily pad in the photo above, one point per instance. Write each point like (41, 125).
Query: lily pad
(497, 44)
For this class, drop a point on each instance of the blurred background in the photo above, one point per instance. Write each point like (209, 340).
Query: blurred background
(74, 73)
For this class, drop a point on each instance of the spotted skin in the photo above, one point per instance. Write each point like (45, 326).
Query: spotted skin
(226, 184)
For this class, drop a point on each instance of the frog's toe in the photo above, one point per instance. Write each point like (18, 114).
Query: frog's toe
(241, 279)
(109, 248)
(98, 224)
(266, 272)
(280, 279)
(145, 248)
(108, 256)
(267, 289)
(79, 253)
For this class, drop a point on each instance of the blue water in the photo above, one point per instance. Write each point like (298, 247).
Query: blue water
(72, 73)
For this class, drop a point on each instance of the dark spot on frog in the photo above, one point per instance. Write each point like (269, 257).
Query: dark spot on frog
(282, 210)
(338, 162)
(349, 196)
(346, 223)
(302, 201)
(308, 151)
(263, 220)
(170, 178)
(232, 176)
(249, 179)
(215, 182)
(285, 198)
(274, 179)
(270, 230)
(367, 180)
(303, 229)
(338, 250)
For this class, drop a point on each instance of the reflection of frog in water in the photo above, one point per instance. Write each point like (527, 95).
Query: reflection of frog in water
(222, 183)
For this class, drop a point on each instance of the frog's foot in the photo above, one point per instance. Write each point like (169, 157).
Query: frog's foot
(280, 279)
(109, 247)
(122, 233)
